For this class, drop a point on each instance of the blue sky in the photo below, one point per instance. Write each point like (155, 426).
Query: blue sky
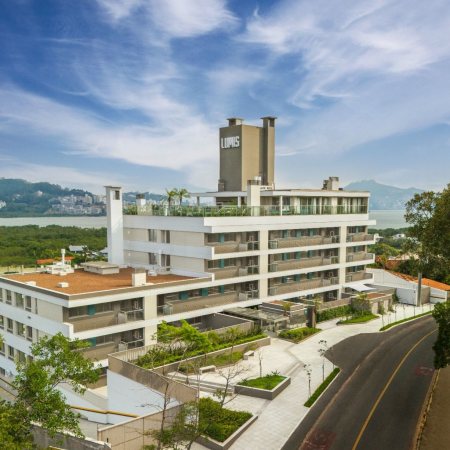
(133, 92)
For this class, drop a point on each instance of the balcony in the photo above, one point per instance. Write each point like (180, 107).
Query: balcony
(235, 271)
(240, 211)
(181, 306)
(359, 256)
(286, 288)
(130, 315)
(360, 237)
(304, 241)
(233, 247)
(85, 323)
(292, 264)
(100, 352)
(358, 276)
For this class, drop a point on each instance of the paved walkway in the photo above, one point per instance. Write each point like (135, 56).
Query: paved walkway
(278, 418)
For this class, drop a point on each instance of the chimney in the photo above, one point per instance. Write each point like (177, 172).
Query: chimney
(114, 216)
(139, 277)
(332, 184)
(235, 121)
(267, 155)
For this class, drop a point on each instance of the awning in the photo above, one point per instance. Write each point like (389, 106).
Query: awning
(360, 287)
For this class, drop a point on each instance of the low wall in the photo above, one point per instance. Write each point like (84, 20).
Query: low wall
(43, 440)
(134, 434)
(262, 393)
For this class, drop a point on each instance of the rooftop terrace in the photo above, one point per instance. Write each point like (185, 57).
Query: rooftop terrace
(81, 282)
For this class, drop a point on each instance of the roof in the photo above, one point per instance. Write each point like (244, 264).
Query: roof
(81, 282)
(425, 281)
(52, 260)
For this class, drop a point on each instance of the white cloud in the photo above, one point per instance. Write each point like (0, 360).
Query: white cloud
(174, 18)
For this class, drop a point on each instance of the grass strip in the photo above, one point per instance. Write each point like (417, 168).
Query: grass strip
(358, 319)
(322, 387)
(386, 327)
(267, 382)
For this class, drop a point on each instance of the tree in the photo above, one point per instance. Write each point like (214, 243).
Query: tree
(56, 360)
(14, 428)
(441, 347)
(182, 193)
(429, 217)
(171, 195)
(322, 350)
(360, 304)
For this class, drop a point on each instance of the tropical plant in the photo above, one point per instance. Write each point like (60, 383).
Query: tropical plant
(181, 194)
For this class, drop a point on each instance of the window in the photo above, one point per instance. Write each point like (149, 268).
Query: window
(165, 260)
(1, 294)
(152, 236)
(165, 236)
(21, 356)
(2, 322)
(19, 301)
(20, 329)
(78, 311)
(104, 339)
(8, 297)
(11, 352)
(10, 325)
(103, 307)
(29, 333)
(28, 303)
(116, 195)
(152, 259)
(2, 349)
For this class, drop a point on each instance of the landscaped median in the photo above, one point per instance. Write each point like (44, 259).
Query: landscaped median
(322, 387)
(386, 327)
(267, 387)
(297, 334)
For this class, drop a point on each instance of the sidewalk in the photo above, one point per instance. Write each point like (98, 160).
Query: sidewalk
(278, 418)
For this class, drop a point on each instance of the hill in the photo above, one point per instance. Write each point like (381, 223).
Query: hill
(20, 198)
(384, 196)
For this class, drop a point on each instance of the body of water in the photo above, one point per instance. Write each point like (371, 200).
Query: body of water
(385, 219)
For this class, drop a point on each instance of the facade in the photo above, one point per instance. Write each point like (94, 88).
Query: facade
(250, 245)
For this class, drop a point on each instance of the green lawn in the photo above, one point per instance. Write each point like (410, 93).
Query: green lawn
(358, 319)
(298, 334)
(267, 382)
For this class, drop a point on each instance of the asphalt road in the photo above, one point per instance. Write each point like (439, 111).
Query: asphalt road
(376, 400)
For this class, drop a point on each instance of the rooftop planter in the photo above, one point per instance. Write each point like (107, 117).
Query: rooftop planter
(267, 387)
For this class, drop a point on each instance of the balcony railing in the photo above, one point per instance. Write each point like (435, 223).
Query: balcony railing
(303, 241)
(235, 271)
(360, 237)
(292, 264)
(358, 276)
(286, 288)
(180, 306)
(359, 256)
(235, 211)
(131, 316)
(233, 246)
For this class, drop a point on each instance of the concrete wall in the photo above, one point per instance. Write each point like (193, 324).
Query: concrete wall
(187, 238)
(135, 234)
(189, 264)
(50, 311)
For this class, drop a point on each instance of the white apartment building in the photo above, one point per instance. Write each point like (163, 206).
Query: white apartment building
(251, 244)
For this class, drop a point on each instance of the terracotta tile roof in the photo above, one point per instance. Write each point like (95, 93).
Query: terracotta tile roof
(425, 281)
(81, 282)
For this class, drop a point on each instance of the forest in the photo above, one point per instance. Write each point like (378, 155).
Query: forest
(23, 245)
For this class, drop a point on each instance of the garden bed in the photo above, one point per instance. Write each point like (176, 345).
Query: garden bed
(222, 426)
(220, 360)
(298, 334)
(267, 387)
(393, 324)
(359, 319)
(318, 392)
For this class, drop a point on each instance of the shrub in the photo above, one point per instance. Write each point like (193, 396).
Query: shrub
(298, 334)
(219, 423)
(332, 313)
(358, 319)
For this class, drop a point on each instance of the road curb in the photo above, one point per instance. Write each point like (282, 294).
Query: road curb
(425, 410)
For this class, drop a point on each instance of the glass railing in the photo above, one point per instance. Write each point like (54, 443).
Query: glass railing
(237, 211)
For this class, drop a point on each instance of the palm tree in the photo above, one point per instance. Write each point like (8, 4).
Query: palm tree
(171, 195)
(181, 194)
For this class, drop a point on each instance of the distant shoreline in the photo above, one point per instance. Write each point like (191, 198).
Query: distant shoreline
(389, 218)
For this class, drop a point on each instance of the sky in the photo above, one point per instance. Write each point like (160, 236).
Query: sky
(133, 92)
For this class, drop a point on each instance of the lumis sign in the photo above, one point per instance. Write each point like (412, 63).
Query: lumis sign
(229, 142)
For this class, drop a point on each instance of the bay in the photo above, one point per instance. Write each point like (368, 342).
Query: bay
(385, 219)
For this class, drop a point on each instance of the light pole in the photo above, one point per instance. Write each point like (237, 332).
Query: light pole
(322, 351)
(308, 371)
